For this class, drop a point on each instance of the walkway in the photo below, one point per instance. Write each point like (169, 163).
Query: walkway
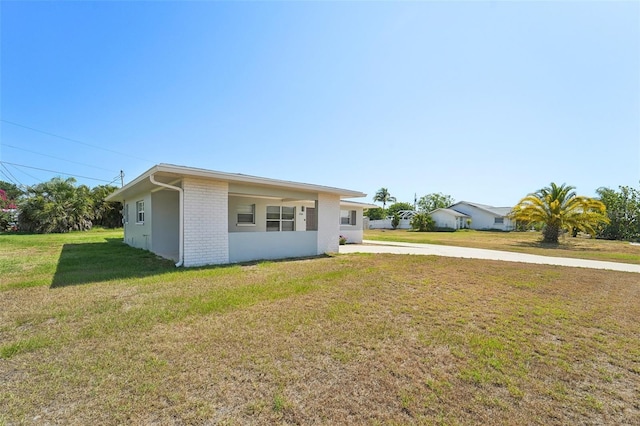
(369, 246)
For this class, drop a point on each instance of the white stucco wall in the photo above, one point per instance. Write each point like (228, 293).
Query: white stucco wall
(444, 220)
(139, 234)
(165, 227)
(206, 235)
(246, 246)
(386, 224)
(328, 223)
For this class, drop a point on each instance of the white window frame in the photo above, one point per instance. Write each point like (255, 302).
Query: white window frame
(498, 221)
(280, 218)
(140, 211)
(241, 210)
(348, 217)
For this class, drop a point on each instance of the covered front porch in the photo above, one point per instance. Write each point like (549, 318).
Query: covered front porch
(279, 224)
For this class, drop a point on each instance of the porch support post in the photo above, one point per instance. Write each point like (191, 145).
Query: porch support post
(328, 223)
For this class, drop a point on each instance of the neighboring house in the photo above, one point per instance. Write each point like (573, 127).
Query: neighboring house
(485, 217)
(449, 218)
(200, 217)
(352, 220)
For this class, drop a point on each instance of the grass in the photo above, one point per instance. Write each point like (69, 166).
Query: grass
(375, 339)
(520, 242)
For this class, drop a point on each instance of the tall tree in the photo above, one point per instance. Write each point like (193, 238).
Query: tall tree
(374, 214)
(9, 195)
(383, 196)
(559, 208)
(56, 206)
(430, 202)
(623, 210)
(107, 214)
(397, 207)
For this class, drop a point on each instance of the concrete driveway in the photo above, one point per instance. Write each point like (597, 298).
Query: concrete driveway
(369, 246)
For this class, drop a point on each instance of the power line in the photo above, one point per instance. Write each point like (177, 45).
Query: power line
(8, 177)
(16, 181)
(57, 158)
(74, 140)
(53, 171)
(25, 173)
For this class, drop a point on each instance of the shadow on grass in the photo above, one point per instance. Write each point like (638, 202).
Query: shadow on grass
(562, 245)
(86, 263)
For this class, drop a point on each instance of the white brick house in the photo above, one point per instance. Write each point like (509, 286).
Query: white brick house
(201, 217)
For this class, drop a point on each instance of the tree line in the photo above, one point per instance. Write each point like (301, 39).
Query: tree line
(60, 205)
(426, 204)
(57, 206)
(613, 214)
(421, 220)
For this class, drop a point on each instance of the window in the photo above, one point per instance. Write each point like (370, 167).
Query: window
(347, 217)
(246, 214)
(125, 214)
(139, 211)
(498, 220)
(280, 218)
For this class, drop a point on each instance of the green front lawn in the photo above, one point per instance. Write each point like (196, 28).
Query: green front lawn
(94, 332)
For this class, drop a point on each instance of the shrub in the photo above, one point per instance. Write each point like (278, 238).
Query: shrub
(5, 220)
(395, 221)
(374, 214)
(422, 222)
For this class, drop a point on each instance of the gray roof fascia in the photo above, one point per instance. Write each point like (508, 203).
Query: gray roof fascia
(450, 211)
(349, 203)
(182, 171)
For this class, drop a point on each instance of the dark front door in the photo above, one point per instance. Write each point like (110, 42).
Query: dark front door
(312, 220)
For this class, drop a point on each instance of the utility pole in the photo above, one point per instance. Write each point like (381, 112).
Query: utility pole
(121, 178)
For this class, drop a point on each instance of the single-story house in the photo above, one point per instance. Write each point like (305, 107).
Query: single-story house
(353, 221)
(485, 217)
(449, 218)
(200, 217)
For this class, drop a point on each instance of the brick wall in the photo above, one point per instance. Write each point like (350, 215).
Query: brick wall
(328, 223)
(206, 238)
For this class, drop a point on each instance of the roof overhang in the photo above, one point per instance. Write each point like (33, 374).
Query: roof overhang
(172, 174)
(488, 209)
(349, 203)
(451, 212)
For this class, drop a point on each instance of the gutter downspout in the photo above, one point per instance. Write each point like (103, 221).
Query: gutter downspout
(181, 220)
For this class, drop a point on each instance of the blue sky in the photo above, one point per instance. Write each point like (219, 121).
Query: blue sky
(485, 101)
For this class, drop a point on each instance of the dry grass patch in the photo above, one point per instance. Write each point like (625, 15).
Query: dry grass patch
(380, 339)
(520, 242)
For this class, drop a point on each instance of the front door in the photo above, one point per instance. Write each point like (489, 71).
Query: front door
(312, 220)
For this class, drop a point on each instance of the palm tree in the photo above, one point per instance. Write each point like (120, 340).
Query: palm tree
(384, 197)
(56, 206)
(105, 213)
(559, 208)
